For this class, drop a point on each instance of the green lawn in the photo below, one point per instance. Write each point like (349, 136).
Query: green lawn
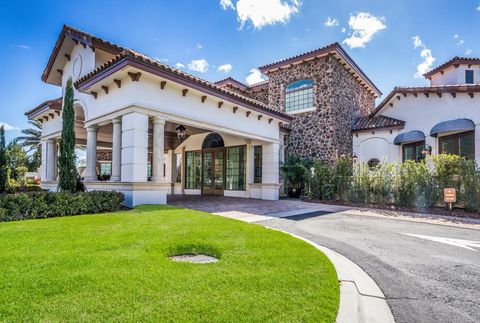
(115, 267)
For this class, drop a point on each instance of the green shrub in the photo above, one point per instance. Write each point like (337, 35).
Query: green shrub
(342, 177)
(322, 185)
(14, 207)
(360, 186)
(382, 183)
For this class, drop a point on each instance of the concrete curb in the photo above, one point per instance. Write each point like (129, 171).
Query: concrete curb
(361, 300)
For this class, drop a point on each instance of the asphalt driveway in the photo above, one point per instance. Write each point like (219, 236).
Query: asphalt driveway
(428, 272)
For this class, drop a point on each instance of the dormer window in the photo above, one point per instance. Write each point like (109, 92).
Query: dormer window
(469, 77)
(299, 96)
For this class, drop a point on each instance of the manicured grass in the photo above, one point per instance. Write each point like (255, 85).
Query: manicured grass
(115, 267)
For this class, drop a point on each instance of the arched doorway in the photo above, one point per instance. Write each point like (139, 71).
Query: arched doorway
(213, 165)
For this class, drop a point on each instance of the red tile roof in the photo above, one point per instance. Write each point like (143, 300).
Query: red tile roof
(453, 62)
(82, 37)
(128, 55)
(233, 82)
(332, 48)
(380, 122)
(415, 90)
(55, 104)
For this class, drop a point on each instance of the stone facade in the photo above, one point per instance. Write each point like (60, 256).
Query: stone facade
(325, 133)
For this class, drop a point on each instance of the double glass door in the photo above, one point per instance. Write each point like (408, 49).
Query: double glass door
(213, 171)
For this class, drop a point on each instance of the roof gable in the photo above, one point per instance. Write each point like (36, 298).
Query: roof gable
(455, 62)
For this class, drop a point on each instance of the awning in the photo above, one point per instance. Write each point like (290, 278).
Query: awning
(410, 136)
(452, 125)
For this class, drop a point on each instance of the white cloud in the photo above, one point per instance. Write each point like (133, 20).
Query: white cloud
(199, 46)
(23, 46)
(460, 42)
(478, 8)
(344, 29)
(225, 68)
(455, 36)
(7, 127)
(264, 12)
(198, 65)
(468, 51)
(179, 65)
(255, 76)
(225, 4)
(364, 26)
(331, 22)
(426, 56)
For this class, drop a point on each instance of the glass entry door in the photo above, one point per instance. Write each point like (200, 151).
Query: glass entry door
(213, 171)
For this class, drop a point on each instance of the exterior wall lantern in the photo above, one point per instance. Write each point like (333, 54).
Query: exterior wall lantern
(181, 132)
(427, 150)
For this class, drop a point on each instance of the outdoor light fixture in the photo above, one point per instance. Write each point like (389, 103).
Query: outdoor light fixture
(354, 157)
(427, 149)
(181, 132)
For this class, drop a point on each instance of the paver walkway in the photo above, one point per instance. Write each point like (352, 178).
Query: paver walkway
(249, 210)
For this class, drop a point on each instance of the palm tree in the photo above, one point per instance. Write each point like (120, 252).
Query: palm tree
(31, 138)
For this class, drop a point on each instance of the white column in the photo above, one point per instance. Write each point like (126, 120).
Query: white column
(270, 171)
(50, 155)
(477, 143)
(432, 142)
(43, 166)
(158, 158)
(182, 171)
(249, 170)
(91, 167)
(116, 150)
(134, 147)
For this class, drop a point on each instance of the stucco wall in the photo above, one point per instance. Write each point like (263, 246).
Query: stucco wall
(455, 75)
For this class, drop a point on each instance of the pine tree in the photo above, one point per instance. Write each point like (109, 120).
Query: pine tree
(3, 161)
(67, 168)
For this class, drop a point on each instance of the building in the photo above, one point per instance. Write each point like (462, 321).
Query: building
(151, 130)
(441, 118)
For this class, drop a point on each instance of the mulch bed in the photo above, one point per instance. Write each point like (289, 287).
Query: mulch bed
(456, 212)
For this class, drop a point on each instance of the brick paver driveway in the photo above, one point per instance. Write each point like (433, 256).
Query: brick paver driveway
(241, 207)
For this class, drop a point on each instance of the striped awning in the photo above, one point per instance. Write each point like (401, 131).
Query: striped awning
(411, 136)
(452, 125)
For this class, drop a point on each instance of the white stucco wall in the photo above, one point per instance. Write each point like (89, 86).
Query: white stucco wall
(454, 75)
(420, 113)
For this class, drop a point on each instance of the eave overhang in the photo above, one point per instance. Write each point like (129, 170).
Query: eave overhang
(427, 91)
(45, 110)
(129, 60)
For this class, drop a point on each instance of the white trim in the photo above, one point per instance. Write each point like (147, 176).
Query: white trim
(302, 110)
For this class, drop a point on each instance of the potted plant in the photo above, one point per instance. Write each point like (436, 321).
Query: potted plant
(295, 171)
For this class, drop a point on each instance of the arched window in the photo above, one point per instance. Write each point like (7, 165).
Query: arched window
(373, 163)
(213, 140)
(299, 95)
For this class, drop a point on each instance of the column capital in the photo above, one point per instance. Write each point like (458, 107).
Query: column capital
(92, 129)
(117, 120)
(158, 120)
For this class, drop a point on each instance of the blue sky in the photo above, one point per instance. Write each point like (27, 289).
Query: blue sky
(390, 40)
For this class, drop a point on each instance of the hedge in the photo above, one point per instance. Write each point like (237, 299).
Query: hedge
(34, 205)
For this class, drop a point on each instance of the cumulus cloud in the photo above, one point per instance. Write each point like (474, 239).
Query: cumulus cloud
(262, 13)
(468, 51)
(225, 4)
(478, 8)
(460, 42)
(7, 127)
(331, 22)
(198, 65)
(255, 76)
(425, 54)
(179, 65)
(225, 68)
(363, 27)
(199, 46)
(344, 29)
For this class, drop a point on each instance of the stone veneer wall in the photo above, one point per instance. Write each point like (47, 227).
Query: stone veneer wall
(259, 95)
(323, 134)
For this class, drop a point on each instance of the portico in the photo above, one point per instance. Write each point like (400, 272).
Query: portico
(129, 109)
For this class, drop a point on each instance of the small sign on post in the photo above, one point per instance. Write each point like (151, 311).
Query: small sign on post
(449, 196)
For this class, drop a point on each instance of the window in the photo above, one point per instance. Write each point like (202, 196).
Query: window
(257, 164)
(299, 95)
(105, 169)
(235, 179)
(413, 151)
(469, 77)
(193, 170)
(373, 163)
(461, 144)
